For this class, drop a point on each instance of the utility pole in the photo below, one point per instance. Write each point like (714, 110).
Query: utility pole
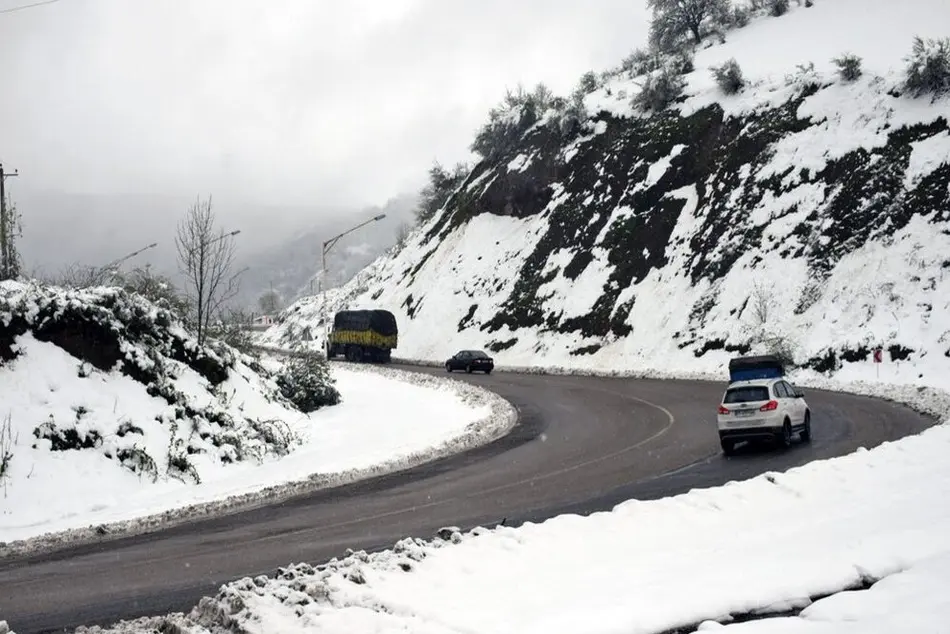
(6, 229)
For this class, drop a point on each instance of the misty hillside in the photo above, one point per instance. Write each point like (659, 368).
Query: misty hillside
(280, 245)
(808, 213)
(63, 229)
(289, 266)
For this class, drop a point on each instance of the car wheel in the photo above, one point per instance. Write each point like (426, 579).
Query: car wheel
(487, 371)
(448, 367)
(806, 432)
(728, 446)
(785, 440)
(468, 369)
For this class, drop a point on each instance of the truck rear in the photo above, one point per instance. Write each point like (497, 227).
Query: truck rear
(363, 335)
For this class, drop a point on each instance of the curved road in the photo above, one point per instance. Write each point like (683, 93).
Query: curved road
(582, 444)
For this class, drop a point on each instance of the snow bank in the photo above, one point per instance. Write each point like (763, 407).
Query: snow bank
(772, 544)
(146, 440)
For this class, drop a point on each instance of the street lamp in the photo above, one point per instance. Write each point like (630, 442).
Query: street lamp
(221, 237)
(327, 245)
(111, 266)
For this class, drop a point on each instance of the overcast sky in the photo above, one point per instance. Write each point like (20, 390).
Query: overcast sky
(278, 101)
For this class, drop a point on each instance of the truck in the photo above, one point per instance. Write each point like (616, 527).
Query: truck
(363, 335)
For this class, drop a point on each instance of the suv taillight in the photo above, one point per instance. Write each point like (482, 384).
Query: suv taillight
(769, 407)
(723, 410)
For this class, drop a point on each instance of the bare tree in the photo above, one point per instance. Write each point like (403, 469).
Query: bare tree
(761, 304)
(206, 257)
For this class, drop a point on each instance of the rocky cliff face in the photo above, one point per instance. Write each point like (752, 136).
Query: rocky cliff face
(807, 215)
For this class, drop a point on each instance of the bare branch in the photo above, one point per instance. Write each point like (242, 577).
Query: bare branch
(206, 256)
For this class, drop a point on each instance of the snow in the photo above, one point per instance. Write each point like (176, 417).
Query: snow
(875, 31)
(520, 163)
(388, 420)
(772, 544)
(903, 602)
(925, 157)
(900, 299)
(658, 169)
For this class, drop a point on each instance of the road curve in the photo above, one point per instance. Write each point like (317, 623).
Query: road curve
(582, 444)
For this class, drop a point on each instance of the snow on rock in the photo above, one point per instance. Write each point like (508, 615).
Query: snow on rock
(121, 423)
(805, 215)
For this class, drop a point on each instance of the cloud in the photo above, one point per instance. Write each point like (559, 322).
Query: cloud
(284, 101)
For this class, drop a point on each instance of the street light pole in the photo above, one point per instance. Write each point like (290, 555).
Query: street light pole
(327, 245)
(115, 263)
(221, 237)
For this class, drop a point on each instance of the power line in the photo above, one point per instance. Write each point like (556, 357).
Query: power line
(27, 6)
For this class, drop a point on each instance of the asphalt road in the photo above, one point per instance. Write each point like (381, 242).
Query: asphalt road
(582, 444)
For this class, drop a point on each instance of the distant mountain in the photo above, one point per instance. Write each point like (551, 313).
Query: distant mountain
(62, 229)
(280, 245)
(290, 266)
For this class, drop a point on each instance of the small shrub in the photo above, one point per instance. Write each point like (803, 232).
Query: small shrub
(804, 76)
(588, 83)
(783, 348)
(306, 382)
(276, 434)
(68, 438)
(641, 62)
(233, 331)
(849, 66)
(740, 16)
(128, 427)
(659, 90)
(928, 67)
(729, 77)
(809, 3)
(682, 62)
(136, 460)
(778, 7)
(508, 121)
(180, 467)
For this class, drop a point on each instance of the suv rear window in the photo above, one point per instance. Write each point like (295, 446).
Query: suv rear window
(746, 394)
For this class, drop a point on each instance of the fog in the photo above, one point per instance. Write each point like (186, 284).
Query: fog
(119, 113)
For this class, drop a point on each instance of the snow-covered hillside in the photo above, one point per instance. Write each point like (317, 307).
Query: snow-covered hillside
(114, 420)
(806, 213)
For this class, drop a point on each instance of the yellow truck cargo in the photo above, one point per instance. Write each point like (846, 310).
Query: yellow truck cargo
(363, 335)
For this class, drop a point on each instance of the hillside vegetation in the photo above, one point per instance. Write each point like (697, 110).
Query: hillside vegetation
(748, 193)
(114, 386)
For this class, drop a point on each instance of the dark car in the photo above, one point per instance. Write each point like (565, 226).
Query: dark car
(470, 361)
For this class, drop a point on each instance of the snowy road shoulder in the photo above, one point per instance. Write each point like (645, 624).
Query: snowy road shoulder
(389, 420)
(828, 544)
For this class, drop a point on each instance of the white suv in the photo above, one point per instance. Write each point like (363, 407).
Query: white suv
(763, 409)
